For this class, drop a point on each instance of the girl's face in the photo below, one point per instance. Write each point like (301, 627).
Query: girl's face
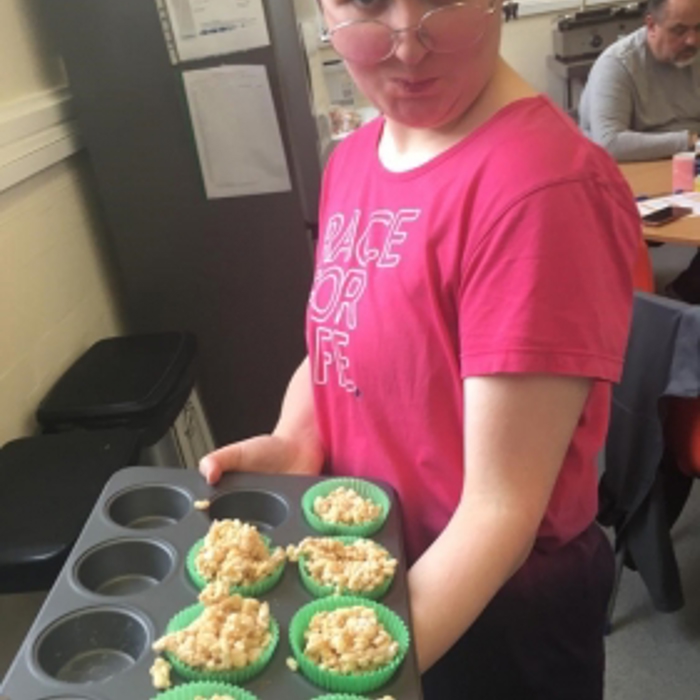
(417, 86)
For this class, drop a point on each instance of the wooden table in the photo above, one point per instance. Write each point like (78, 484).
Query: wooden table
(653, 178)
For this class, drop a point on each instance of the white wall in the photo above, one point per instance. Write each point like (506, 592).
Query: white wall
(525, 44)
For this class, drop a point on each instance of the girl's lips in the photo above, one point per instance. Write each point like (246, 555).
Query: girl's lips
(414, 87)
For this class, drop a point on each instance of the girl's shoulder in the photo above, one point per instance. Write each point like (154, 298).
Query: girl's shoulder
(532, 143)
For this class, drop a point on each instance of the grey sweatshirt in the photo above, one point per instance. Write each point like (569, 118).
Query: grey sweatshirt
(636, 107)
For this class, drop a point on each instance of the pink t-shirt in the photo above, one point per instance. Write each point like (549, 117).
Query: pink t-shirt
(510, 252)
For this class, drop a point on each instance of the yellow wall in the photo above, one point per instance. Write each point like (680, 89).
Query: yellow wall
(27, 63)
(55, 294)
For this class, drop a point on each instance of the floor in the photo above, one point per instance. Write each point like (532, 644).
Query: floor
(653, 655)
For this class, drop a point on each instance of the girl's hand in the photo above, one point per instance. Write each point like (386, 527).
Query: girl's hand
(263, 454)
(294, 447)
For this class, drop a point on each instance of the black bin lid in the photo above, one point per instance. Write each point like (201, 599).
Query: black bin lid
(49, 485)
(120, 376)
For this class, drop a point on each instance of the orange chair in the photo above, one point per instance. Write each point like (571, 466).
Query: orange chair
(682, 429)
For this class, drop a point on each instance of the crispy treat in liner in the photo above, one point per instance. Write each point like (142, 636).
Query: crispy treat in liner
(236, 553)
(357, 567)
(231, 632)
(349, 640)
(345, 506)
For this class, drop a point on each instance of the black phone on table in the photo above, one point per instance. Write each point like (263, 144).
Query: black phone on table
(665, 215)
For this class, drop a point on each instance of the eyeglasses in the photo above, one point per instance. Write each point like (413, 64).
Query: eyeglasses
(443, 30)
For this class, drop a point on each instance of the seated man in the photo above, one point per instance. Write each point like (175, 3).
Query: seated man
(642, 99)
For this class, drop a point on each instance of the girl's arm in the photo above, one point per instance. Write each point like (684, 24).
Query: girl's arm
(517, 431)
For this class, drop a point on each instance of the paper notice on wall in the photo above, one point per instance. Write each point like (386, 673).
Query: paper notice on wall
(204, 28)
(236, 130)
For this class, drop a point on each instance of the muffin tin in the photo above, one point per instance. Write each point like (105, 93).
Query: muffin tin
(126, 577)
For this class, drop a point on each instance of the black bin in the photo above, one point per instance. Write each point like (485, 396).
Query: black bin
(48, 487)
(138, 382)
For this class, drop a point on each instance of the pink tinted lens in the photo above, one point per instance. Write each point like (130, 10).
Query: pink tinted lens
(455, 27)
(363, 42)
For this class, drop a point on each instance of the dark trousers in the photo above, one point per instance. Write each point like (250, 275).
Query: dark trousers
(541, 637)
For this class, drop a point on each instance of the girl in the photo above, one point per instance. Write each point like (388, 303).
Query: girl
(469, 312)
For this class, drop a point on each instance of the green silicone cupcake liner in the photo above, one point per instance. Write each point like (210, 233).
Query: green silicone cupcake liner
(364, 488)
(253, 590)
(341, 696)
(206, 689)
(240, 675)
(351, 682)
(319, 590)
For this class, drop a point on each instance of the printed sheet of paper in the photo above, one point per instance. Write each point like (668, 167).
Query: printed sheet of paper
(213, 27)
(236, 130)
(683, 199)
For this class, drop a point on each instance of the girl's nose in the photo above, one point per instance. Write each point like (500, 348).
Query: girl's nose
(409, 48)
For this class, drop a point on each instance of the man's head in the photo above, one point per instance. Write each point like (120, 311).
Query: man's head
(673, 30)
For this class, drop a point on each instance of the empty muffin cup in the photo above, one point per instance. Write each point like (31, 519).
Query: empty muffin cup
(149, 507)
(91, 645)
(263, 509)
(124, 567)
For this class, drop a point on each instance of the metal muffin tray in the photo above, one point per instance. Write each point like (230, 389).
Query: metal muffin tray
(126, 578)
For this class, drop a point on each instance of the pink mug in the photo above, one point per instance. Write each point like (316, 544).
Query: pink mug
(683, 172)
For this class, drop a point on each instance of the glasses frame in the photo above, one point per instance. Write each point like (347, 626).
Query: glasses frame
(418, 29)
